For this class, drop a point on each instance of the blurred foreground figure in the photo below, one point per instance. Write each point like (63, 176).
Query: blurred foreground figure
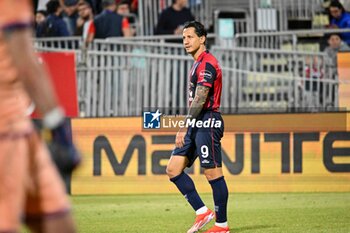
(31, 187)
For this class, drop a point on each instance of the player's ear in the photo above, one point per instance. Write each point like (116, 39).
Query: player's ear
(202, 39)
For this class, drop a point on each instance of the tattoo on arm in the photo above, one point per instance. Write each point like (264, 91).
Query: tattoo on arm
(196, 107)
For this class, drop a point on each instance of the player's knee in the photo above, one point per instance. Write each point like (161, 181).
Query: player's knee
(213, 173)
(171, 171)
(210, 176)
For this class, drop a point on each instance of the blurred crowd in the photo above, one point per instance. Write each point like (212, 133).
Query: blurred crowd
(87, 18)
(118, 18)
(337, 42)
(103, 18)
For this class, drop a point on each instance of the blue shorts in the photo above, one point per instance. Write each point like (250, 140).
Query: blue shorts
(203, 142)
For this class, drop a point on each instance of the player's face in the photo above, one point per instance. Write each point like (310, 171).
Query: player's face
(191, 41)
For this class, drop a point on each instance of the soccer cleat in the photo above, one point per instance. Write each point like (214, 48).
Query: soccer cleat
(201, 220)
(216, 229)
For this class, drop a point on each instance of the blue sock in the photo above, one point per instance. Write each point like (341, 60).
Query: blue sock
(220, 194)
(186, 186)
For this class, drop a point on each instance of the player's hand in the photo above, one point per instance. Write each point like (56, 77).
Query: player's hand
(180, 139)
(80, 22)
(64, 153)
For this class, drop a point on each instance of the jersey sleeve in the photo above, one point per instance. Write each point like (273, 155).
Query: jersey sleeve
(15, 14)
(91, 28)
(206, 74)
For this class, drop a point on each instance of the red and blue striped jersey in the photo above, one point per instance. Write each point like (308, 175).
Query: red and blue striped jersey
(206, 71)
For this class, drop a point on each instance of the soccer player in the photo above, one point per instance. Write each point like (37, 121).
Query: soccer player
(30, 186)
(204, 99)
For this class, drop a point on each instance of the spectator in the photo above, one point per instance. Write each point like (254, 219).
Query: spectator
(108, 23)
(335, 44)
(345, 3)
(40, 17)
(313, 86)
(84, 20)
(70, 14)
(340, 19)
(132, 5)
(171, 20)
(53, 26)
(123, 9)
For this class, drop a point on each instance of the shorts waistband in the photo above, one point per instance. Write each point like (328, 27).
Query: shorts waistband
(15, 136)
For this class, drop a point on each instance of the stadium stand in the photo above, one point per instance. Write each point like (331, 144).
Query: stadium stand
(275, 71)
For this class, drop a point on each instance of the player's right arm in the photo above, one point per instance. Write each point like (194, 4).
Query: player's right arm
(16, 33)
(205, 81)
(196, 107)
(30, 71)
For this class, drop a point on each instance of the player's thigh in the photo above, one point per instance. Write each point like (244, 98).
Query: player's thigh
(188, 151)
(208, 144)
(176, 164)
(13, 173)
(46, 196)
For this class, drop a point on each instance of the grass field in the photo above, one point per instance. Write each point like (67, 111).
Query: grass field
(271, 212)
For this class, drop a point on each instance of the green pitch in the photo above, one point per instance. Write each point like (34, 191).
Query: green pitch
(271, 212)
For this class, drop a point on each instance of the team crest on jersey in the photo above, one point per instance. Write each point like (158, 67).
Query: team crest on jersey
(207, 75)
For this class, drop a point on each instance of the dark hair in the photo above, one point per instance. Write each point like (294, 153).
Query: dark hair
(336, 3)
(124, 2)
(84, 3)
(198, 28)
(333, 34)
(52, 6)
(106, 3)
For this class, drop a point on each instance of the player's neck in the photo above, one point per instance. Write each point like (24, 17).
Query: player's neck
(199, 52)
